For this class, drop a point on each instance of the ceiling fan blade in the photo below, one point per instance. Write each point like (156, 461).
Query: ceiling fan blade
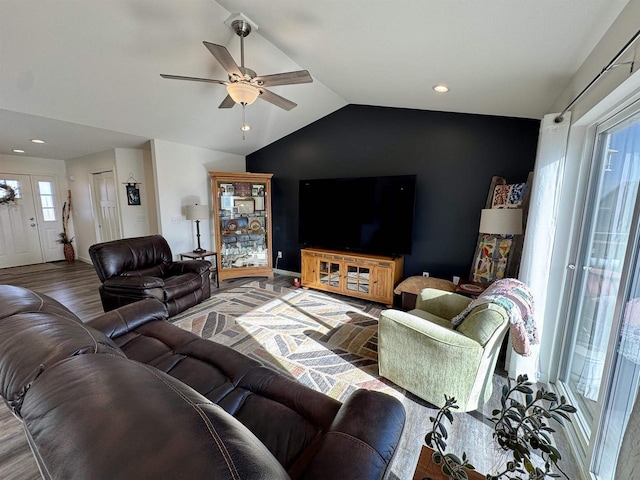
(276, 99)
(193, 79)
(227, 102)
(288, 78)
(224, 57)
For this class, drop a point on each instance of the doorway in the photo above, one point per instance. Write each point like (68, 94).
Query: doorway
(105, 206)
(29, 225)
(600, 366)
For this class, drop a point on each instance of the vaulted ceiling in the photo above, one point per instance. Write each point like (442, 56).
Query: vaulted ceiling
(85, 75)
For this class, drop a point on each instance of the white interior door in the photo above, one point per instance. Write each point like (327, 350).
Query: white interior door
(19, 238)
(106, 207)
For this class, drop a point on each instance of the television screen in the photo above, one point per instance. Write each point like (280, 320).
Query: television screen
(364, 214)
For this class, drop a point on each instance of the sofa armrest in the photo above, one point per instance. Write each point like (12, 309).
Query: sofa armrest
(440, 303)
(127, 283)
(362, 439)
(124, 319)
(189, 266)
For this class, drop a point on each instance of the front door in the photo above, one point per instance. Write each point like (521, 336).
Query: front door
(19, 238)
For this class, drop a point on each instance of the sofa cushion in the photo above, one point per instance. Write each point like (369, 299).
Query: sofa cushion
(112, 258)
(482, 322)
(131, 421)
(24, 317)
(260, 398)
(176, 287)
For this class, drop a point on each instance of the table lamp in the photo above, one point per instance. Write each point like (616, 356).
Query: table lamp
(501, 221)
(198, 212)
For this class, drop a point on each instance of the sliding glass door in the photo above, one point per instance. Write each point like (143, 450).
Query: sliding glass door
(600, 365)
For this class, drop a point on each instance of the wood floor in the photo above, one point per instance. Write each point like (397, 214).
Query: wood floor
(76, 286)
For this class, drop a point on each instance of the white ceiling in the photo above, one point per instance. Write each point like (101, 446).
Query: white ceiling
(84, 75)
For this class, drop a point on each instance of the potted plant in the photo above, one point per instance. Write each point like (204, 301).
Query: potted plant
(67, 245)
(519, 426)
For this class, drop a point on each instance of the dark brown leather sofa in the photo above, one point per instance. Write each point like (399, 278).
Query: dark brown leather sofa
(132, 269)
(128, 395)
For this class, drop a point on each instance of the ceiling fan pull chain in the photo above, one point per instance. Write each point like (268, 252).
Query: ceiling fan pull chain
(245, 128)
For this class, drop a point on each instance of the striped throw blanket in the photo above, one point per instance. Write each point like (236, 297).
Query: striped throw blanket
(517, 300)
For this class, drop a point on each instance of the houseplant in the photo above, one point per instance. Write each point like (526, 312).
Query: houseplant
(67, 245)
(519, 426)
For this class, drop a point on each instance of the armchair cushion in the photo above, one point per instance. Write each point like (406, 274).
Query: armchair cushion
(482, 322)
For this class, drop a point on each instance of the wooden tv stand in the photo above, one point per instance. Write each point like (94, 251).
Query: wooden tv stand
(371, 277)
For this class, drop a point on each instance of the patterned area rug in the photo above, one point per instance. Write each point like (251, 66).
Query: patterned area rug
(324, 342)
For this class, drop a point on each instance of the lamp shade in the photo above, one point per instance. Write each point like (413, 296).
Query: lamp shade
(197, 212)
(242, 93)
(501, 221)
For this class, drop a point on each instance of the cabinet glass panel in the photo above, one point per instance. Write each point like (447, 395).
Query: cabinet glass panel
(358, 278)
(330, 273)
(243, 224)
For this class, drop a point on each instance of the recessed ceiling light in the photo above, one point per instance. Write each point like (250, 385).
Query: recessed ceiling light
(245, 127)
(35, 140)
(441, 88)
(17, 150)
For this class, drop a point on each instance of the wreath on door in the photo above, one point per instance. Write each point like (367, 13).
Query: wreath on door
(7, 194)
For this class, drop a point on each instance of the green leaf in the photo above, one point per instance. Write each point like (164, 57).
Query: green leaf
(528, 466)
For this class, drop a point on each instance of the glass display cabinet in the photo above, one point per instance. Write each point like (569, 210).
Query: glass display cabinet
(242, 223)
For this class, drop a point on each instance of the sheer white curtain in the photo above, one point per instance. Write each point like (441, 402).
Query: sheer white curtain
(535, 265)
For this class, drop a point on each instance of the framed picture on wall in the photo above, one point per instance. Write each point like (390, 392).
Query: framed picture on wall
(133, 195)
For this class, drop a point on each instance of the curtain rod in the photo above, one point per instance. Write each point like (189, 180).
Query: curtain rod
(610, 65)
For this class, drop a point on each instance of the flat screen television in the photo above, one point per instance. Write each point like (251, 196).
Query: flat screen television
(362, 214)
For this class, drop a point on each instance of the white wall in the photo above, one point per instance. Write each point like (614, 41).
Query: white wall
(79, 171)
(182, 178)
(620, 32)
(130, 163)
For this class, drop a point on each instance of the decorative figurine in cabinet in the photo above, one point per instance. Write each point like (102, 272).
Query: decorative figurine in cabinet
(242, 222)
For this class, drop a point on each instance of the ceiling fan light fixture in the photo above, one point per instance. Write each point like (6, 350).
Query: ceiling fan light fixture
(242, 93)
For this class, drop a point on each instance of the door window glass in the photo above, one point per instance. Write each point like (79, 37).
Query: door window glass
(46, 200)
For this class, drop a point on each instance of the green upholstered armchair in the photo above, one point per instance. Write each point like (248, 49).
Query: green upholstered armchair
(420, 351)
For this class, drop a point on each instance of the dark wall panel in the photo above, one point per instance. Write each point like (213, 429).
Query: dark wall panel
(454, 156)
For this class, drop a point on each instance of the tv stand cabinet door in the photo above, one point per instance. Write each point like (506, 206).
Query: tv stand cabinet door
(383, 284)
(321, 272)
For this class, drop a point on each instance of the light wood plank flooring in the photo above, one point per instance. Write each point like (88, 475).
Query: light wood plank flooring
(76, 286)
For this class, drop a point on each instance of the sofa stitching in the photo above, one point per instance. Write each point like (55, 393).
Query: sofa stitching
(359, 442)
(196, 407)
(81, 325)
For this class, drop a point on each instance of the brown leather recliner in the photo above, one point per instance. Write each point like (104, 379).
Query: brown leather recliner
(133, 269)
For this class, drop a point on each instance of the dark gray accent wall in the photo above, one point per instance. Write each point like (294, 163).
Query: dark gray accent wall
(454, 156)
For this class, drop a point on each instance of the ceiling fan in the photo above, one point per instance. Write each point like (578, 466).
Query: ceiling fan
(244, 85)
